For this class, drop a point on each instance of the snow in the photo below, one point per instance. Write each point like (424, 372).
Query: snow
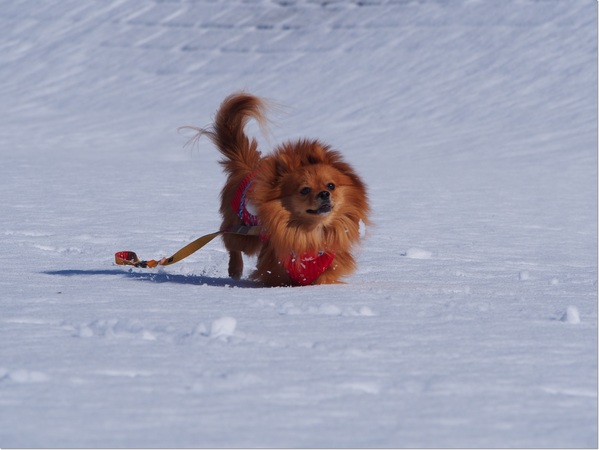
(472, 318)
(571, 315)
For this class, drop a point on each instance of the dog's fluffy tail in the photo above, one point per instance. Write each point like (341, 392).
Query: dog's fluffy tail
(228, 134)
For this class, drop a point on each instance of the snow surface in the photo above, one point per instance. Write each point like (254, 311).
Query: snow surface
(472, 319)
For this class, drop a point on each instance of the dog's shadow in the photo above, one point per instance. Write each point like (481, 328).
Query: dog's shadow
(159, 277)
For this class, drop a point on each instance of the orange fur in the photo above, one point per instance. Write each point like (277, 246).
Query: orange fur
(307, 198)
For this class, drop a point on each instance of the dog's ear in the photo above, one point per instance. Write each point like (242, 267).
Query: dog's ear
(285, 164)
(312, 159)
(314, 152)
(281, 167)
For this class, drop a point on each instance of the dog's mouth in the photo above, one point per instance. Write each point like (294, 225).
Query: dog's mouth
(325, 208)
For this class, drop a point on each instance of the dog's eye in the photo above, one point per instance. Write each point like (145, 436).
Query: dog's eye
(331, 187)
(305, 191)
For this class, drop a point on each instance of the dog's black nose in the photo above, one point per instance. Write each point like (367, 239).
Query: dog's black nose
(324, 195)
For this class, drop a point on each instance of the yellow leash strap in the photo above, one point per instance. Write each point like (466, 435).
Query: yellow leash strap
(129, 258)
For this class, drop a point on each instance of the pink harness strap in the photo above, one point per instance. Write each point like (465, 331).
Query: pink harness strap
(240, 201)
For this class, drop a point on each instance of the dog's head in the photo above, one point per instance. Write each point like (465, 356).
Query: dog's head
(314, 194)
(314, 186)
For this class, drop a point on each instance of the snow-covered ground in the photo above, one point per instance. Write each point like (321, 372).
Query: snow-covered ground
(472, 320)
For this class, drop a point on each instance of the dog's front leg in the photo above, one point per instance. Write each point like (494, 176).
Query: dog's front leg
(235, 265)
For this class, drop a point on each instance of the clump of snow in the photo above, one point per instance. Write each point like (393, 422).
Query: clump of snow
(363, 387)
(110, 328)
(84, 331)
(571, 315)
(326, 309)
(361, 311)
(24, 376)
(524, 275)
(366, 311)
(418, 253)
(223, 327)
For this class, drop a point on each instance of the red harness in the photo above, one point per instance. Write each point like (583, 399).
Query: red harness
(309, 266)
(303, 270)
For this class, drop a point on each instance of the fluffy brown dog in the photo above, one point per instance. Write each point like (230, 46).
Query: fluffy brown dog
(307, 200)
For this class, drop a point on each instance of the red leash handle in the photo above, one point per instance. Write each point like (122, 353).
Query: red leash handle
(128, 258)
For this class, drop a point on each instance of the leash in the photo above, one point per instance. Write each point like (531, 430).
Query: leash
(129, 258)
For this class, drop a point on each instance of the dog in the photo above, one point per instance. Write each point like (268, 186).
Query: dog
(307, 200)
